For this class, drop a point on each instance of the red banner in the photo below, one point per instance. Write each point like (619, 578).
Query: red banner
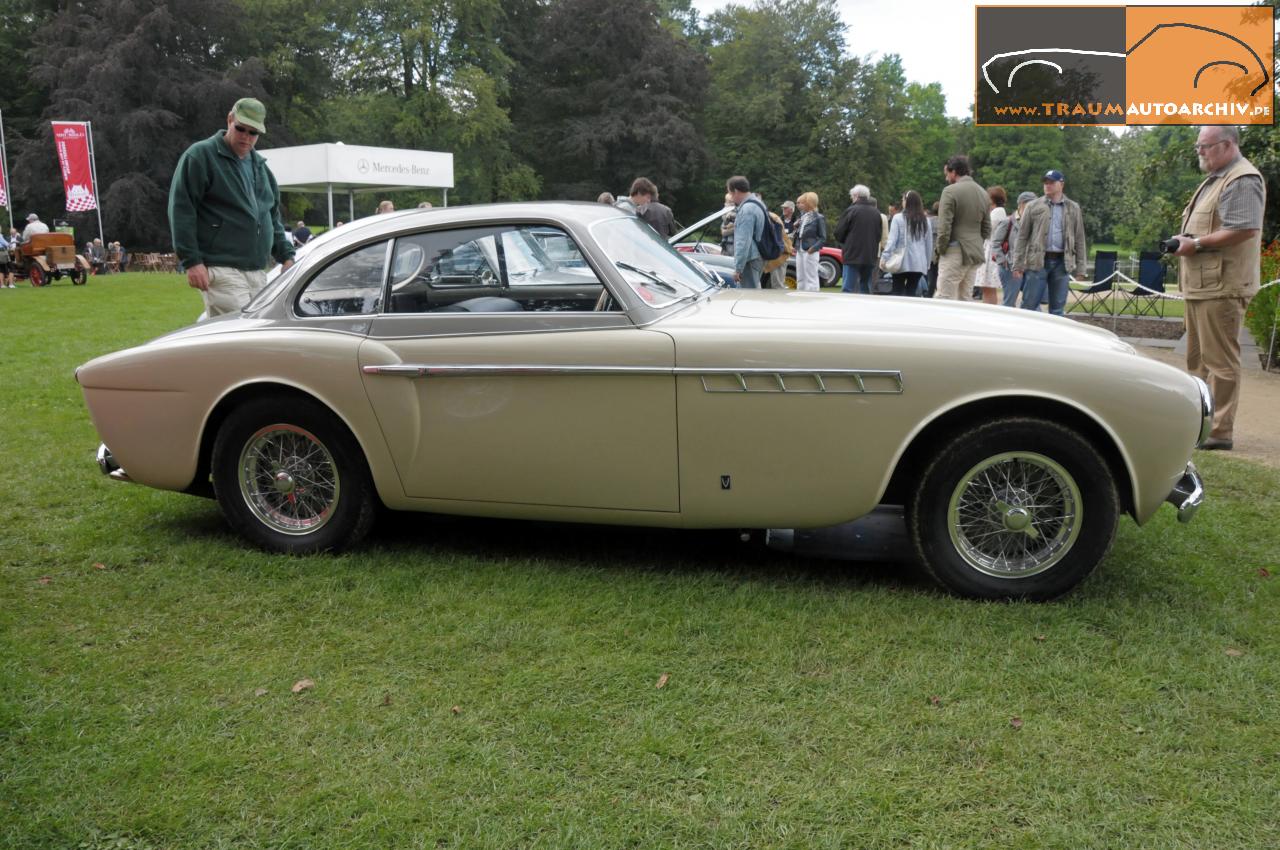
(4, 190)
(72, 141)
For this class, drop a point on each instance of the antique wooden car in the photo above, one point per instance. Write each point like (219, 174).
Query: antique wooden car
(47, 257)
(559, 361)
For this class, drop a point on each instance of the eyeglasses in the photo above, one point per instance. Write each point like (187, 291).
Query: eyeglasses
(248, 131)
(1202, 148)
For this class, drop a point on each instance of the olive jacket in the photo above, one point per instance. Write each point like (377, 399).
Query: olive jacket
(964, 217)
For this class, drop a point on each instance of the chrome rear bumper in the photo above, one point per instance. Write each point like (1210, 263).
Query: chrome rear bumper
(107, 464)
(1188, 494)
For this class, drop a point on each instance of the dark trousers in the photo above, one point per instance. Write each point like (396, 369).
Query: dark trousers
(906, 283)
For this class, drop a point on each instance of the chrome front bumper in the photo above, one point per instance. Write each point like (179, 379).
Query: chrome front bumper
(107, 464)
(1188, 494)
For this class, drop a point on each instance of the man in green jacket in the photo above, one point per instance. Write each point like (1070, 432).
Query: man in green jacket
(224, 213)
(964, 223)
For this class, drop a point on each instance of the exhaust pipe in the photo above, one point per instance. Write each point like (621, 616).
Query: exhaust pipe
(108, 466)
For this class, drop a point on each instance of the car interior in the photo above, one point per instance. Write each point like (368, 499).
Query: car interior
(513, 268)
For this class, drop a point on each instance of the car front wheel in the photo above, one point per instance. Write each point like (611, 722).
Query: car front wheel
(1014, 509)
(291, 478)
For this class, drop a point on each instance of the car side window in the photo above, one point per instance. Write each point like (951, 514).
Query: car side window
(351, 286)
(492, 270)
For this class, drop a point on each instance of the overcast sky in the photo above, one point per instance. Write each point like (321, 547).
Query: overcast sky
(934, 37)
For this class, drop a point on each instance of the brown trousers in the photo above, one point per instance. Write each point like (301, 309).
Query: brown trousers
(1213, 354)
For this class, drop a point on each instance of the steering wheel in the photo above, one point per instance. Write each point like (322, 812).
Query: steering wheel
(604, 302)
(486, 277)
(418, 263)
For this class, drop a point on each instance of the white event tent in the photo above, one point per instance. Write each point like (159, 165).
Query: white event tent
(357, 168)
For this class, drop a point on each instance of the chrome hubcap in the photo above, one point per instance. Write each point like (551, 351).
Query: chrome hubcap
(289, 479)
(1015, 515)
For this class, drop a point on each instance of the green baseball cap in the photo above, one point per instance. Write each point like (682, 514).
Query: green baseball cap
(250, 112)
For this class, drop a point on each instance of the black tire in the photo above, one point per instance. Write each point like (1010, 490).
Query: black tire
(36, 275)
(290, 477)
(79, 276)
(1017, 508)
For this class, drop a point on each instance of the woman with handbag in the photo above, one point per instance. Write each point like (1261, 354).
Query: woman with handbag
(907, 253)
(811, 235)
(989, 279)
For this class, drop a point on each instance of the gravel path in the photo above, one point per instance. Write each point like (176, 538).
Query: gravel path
(1257, 431)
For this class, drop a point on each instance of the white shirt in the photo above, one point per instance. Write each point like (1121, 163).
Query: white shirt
(34, 228)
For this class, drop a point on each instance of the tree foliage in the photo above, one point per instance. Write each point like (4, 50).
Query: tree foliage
(152, 76)
(609, 93)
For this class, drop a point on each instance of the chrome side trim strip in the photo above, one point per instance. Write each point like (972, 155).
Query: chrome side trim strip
(445, 371)
(808, 381)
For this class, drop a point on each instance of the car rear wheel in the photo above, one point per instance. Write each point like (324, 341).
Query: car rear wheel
(291, 478)
(1014, 509)
(36, 275)
(828, 271)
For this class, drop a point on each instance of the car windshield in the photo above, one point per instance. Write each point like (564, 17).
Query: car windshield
(655, 271)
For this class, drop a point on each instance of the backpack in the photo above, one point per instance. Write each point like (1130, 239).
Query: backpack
(770, 242)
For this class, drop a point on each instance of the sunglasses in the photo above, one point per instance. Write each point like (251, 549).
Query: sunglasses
(249, 131)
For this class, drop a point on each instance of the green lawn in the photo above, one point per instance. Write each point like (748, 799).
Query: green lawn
(493, 684)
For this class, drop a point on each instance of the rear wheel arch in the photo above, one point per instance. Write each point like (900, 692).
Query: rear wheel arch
(236, 398)
(925, 444)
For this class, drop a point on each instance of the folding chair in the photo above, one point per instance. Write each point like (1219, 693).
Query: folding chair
(1104, 280)
(1147, 297)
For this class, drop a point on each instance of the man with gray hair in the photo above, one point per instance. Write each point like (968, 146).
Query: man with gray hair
(1220, 254)
(859, 231)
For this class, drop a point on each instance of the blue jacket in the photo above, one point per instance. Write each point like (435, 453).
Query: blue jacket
(919, 251)
(746, 232)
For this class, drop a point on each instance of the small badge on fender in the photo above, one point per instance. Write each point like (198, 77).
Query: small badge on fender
(725, 482)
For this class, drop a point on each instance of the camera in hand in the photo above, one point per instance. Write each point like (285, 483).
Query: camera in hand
(1169, 245)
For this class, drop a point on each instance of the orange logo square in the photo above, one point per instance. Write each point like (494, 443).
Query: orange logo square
(1199, 65)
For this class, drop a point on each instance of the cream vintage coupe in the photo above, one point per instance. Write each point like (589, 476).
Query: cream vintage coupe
(559, 361)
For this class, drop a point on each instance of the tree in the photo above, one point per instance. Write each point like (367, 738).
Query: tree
(780, 96)
(24, 99)
(607, 94)
(435, 73)
(153, 76)
(1160, 173)
(1018, 157)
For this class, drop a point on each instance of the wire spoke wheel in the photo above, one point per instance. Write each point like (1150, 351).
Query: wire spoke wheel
(289, 479)
(1015, 515)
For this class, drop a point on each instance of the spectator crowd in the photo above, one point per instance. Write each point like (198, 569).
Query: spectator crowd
(968, 246)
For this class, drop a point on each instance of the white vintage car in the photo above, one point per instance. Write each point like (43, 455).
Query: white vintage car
(559, 361)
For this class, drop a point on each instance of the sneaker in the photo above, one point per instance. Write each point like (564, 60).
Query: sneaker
(1216, 444)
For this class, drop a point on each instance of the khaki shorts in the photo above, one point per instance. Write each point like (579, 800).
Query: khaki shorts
(230, 289)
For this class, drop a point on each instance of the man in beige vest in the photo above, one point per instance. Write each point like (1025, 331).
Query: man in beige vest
(964, 223)
(1220, 250)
